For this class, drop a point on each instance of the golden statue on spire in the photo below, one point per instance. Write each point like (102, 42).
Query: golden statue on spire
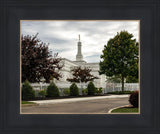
(79, 37)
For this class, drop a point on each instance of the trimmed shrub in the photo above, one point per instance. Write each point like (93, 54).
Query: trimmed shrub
(27, 91)
(91, 89)
(121, 92)
(74, 91)
(52, 90)
(84, 91)
(99, 91)
(66, 92)
(42, 93)
(133, 99)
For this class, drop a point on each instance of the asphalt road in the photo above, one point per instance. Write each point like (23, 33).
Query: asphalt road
(82, 107)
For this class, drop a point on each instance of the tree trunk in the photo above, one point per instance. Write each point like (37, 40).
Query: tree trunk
(122, 84)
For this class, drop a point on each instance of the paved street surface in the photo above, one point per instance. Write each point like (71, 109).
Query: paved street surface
(66, 100)
(91, 106)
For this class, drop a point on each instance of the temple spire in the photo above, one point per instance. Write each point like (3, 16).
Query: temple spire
(79, 56)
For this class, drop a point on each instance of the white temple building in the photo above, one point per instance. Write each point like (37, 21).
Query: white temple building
(68, 65)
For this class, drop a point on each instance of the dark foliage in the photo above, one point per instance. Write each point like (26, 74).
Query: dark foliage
(99, 91)
(85, 92)
(74, 91)
(91, 89)
(37, 61)
(81, 75)
(121, 92)
(120, 57)
(132, 79)
(52, 90)
(27, 91)
(42, 93)
(66, 92)
(133, 99)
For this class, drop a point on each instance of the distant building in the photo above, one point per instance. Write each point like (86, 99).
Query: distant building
(68, 65)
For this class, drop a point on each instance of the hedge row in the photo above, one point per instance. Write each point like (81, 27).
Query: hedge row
(52, 91)
(28, 93)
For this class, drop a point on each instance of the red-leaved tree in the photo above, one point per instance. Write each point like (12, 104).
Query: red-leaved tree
(37, 60)
(81, 75)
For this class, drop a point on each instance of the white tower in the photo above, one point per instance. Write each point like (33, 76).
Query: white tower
(79, 56)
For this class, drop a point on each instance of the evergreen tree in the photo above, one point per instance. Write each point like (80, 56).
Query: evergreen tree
(52, 90)
(91, 89)
(27, 91)
(74, 91)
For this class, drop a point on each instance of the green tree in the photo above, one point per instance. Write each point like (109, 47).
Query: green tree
(114, 79)
(42, 93)
(133, 74)
(91, 89)
(27, 91)
(52, 90)
(74, 91)
(131, 79)
(120, 57)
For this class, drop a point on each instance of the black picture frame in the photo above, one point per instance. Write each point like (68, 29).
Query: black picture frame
(11, 12)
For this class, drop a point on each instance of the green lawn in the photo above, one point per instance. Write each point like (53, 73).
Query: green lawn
(125, 110)
(27, 102)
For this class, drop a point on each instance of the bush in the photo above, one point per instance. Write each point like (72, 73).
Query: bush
(84, 91)
(27, 91)
(99, 91)
(121, 92)
(52, 90)
(133, 99)
(91, 89)
(66, 92)
(42, 93)
(74, 91)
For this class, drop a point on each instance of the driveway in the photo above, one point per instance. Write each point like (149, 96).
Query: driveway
(90, 106)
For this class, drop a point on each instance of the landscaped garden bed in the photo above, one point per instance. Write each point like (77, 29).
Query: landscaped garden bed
(53, 92)
(121, 92)
(64, 97)
(133, 108)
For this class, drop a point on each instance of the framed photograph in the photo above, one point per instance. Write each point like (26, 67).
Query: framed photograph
(79, 67)
(80, 75)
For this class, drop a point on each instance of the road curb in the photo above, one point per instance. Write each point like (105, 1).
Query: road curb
(70, 100)
(117, 107)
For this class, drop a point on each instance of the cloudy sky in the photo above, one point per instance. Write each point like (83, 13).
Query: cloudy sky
(62, 36)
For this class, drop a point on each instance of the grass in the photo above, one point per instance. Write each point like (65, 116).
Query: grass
(125, 110)
(120, 92)
(27, 102)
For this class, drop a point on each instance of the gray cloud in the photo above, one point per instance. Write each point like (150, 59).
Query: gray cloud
(62, 36)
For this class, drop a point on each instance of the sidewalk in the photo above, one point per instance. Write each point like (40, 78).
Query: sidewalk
(68, 100)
